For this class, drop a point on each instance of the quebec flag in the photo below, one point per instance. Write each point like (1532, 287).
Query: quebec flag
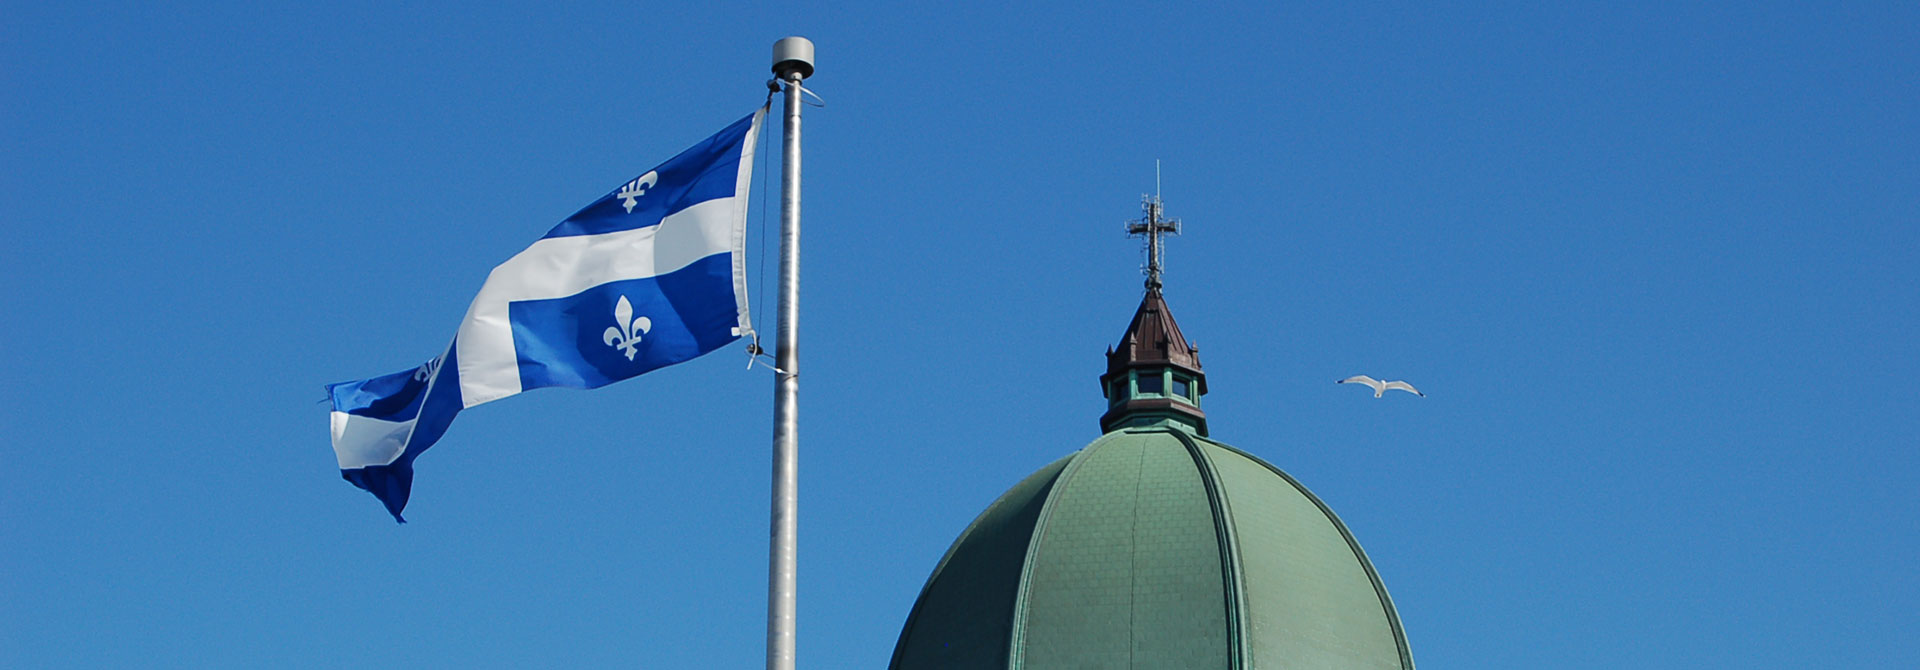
(649, 275)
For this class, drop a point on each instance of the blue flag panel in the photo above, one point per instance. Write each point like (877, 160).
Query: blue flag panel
(647, 276)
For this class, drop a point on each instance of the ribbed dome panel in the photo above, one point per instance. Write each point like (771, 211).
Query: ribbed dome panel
(964, 616)
(1126, 570)
(1312, 598)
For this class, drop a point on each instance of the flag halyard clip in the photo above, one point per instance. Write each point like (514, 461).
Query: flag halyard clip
(755, 355)
(773, 86)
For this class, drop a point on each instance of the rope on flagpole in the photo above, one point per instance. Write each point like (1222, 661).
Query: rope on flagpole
(760, 270)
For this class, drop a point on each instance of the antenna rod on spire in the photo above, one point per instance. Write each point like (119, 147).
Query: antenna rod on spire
(792, 62)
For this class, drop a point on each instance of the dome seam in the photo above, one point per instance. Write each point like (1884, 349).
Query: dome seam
(1231, 571)
(1017, 637)
(939, 568)
(1379, 587)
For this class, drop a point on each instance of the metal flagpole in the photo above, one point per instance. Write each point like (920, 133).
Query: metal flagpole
(792, 62)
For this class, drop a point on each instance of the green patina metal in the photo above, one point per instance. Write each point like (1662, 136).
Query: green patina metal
(1155, 548)
(1124, 570)
(961, 618)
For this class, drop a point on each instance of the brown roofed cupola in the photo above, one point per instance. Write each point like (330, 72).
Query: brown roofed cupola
(1153, 376)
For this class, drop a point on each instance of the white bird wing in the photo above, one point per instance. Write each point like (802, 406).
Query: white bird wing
(1360, 379)
(1404, 387)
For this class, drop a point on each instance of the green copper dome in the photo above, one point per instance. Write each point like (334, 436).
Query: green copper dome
(1154, 547)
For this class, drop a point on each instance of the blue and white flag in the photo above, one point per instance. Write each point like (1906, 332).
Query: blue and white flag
(649, 275)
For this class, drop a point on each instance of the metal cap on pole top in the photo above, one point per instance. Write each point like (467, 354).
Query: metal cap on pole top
(795, 54)
(792, 62)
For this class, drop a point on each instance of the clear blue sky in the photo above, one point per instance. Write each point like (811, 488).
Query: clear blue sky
(1656, 267)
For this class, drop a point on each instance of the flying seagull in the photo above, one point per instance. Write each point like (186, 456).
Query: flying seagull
(1380, 387)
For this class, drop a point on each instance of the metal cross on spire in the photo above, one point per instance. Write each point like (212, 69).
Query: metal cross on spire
(1151, 226)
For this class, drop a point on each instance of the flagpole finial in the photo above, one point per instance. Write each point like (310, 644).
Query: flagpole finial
(793, 55)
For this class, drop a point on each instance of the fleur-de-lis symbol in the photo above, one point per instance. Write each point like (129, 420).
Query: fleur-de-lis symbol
(427, 370)
(636, 188)
(627, 331)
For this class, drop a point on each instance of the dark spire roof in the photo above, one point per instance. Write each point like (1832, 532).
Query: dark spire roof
(1153, 340)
